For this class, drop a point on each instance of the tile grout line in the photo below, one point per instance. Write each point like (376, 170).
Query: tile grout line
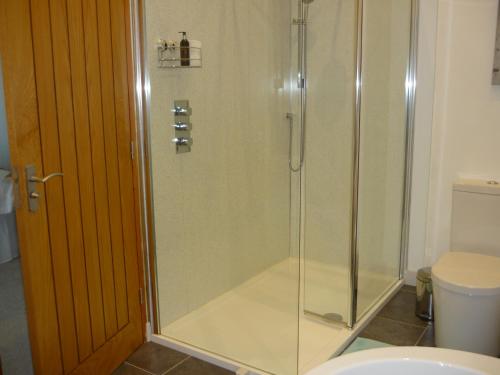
(176, 365)
(421, 336)
(402, 321)
(424, 328)
(139, 368)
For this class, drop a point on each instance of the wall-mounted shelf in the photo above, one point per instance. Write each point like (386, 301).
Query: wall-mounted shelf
(169, 56)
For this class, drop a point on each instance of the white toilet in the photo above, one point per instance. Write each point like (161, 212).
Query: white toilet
(466, 280)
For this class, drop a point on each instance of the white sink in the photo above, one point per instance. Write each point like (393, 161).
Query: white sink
(410, 361)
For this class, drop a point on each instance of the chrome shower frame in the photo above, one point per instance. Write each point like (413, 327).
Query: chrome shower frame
(354, 254)
(142, 106)
(410, 93)
(411, 90)
(142, 101)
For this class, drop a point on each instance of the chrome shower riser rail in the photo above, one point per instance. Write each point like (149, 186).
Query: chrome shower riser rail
(301, 23)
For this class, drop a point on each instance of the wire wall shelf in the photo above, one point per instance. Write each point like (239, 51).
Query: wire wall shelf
(169, 56)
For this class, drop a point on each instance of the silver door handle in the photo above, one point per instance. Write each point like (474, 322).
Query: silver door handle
(32, 180)
(46, 178)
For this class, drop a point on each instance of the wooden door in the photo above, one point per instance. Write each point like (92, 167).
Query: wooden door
(67, 73)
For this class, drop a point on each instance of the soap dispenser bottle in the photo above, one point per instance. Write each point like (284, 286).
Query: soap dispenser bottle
(184, 47)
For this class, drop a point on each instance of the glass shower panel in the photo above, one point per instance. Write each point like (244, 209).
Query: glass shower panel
(386, 45)
(225, 280)
(328, 169)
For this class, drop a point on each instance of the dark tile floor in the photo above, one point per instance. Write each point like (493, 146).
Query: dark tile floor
(395, 324)
(14, 339)
(155, 359)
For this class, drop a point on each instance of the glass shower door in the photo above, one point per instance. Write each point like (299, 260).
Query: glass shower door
(386, 41)
(327, 182)
(225, 280)
(331, 183)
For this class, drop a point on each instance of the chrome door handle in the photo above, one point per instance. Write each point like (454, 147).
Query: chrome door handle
(46, 178)
(31, 181)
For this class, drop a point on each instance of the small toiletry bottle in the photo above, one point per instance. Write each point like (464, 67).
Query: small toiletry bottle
(184, 49)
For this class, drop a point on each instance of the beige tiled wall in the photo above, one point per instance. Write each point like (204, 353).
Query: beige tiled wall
(221, 211)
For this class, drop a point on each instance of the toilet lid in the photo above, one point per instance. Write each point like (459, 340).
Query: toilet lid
(468, 273)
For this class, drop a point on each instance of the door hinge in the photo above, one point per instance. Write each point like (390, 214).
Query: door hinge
(141, 296)
(132, 150)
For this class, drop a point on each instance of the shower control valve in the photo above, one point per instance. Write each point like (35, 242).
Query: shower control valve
(182, 126)
(179, 110)
(182, 141)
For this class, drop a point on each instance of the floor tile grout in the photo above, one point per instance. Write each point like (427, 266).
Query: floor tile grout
(421, 336)
(176, 365)
(398, 309)
(139, 368)
(402, 321)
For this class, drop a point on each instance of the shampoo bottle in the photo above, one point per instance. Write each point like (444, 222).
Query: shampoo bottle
(184, 47)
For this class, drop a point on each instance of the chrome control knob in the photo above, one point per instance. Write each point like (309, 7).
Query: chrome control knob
(182, 141)
(182, 111)
(183, 126)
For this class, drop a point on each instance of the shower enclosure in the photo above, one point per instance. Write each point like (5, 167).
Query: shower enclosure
(276, 172)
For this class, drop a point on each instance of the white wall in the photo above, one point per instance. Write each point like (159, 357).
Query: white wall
(428, 13)
(466, 117)
(4, 141)
(467, 109)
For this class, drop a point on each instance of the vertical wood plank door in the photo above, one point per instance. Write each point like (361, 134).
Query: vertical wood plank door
(67, 71)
